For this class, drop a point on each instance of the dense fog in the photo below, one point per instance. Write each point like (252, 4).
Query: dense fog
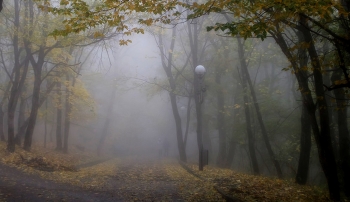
(255, 96)
(138, 117)
(135, 114)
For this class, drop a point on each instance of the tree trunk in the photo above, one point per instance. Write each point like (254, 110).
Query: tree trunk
(67, 117)
(15, 91)
(344, 139)
(221, 159)
(167, 64)
(331, 113)
(21, 132)
(21, 119)
(231, 153)
(188, 118)
(34, 111)
(250, 134)
(323, 139)
(22, 110)
(2, 135)
(59, 118)
(45, 124)
(180, 142)
(108, 120)
(2, 114)
(343, 133)
(305, 147)
(37, 67)
(305, 136)
(259, 116)
(262, 126)
(235, 123)
(23, 128)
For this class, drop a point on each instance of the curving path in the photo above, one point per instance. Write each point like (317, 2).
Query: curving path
(18, 186)
(136, 179)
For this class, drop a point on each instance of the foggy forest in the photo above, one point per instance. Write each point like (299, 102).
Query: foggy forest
(160, 100)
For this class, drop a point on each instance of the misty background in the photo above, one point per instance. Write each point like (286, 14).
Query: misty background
(95, 91)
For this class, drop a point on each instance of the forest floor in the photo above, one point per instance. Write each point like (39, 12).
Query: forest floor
(47, 175)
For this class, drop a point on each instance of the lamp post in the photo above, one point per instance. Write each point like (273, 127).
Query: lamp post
(199, 90)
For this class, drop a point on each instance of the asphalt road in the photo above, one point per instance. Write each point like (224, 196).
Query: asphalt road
(16, 185)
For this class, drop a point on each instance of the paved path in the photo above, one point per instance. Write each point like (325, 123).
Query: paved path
(135, 180)
(144, 179)
(18, 186)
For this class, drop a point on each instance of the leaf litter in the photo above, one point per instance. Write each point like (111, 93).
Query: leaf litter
(157, 180)
(246, 187)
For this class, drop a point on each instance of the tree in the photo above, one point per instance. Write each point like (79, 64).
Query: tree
(305, 135)
(259, 116)
(82, 15)
(168, 65)
(250, 134)
(19, 77)
(105, 128)
(316, 21)
(277, 17)
(76, 95)
(221, 159)
(59, 117)
(32, 49)
(43, 53)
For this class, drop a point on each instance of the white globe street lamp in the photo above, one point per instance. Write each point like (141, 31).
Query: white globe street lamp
(200, 71)
(199, 89)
